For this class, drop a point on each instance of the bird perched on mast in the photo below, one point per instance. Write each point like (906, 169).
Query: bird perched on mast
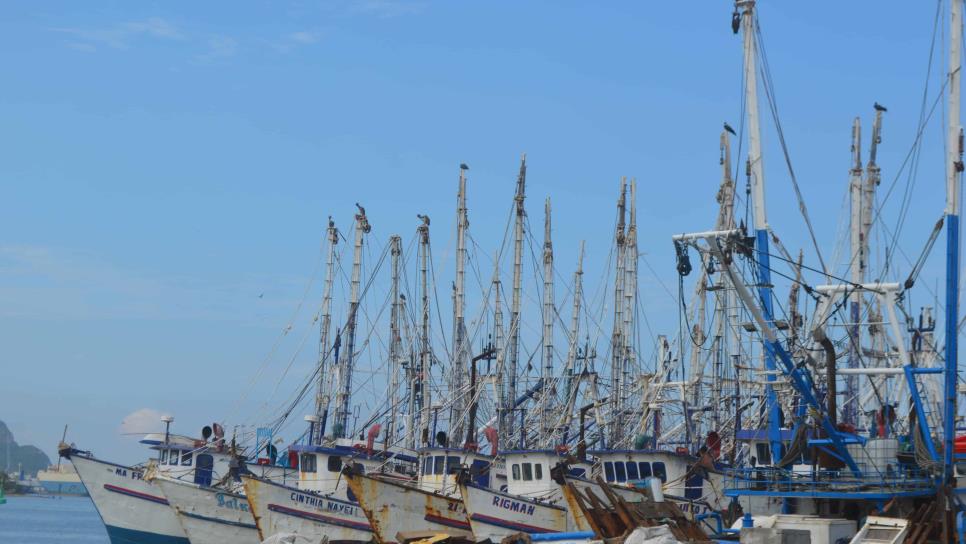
(879, 107)
(729, 129)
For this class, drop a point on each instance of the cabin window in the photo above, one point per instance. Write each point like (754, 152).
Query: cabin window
(578, 472)
(452, 464)
(186, 458)
(334, 464)
(609, 471)
(620, 472)
(307, 462)
(632, 473)
(164, 457)
(660, 471)
(764, 454)
(173, 457)
(516, 471)
(438, 464)
(693, 485)
(538, 471)
(527, 472)
(427, 465)
(645, 469)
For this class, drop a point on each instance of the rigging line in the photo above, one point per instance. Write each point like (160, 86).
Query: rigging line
(643, 257)
(773, 107)
(278, 340)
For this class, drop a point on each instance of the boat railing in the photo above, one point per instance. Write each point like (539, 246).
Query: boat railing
(772, 479)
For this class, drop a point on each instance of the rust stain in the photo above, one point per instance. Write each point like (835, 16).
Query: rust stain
(251, 493)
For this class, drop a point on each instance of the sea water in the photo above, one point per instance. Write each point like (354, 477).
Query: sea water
(57, 520)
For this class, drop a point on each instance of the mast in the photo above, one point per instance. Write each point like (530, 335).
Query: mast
(857, 270)
(395, 338)
(617, 338)
(726, 326)
(518, 232)
(954, 170)
(760, 222)
(322, 394)
(458, 369)
(547, 377)
(574, 343)
(345, 371)
(630, 294)
(421, 390)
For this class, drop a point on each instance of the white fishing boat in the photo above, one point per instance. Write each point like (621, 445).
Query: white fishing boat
(431, 504)
(319, 505)
(133, 508)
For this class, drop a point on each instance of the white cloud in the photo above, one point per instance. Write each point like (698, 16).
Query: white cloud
(142, 421)
(121, 35)
(219, 47)
(387, 8)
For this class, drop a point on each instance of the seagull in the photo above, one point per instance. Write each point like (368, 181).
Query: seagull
(729, 129)
(879, 107)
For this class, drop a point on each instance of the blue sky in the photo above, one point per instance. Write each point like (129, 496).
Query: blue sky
(165, 163)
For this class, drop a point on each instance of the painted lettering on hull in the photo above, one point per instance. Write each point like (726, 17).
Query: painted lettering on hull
(513, 506)
(231, 503)
(321, 503)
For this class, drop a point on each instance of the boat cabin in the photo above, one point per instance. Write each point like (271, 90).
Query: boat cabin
(440, 466)
(528, 472)
(633, 467)
(320, 466)
(189, 459)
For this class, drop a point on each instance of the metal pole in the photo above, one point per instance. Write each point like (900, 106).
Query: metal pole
(760, 220)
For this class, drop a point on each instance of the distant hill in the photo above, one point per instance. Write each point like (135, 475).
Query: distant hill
(28, 457)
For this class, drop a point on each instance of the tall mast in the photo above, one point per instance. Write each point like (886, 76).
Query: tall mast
(954, 170)
(421, 391)
(395, 338)
(758, 204)
(547, 377)
(725, 326)
(518, 232)
(857, 263)
(345, 371)
(573, 344)
(322, 395)
(630, 294)
(617, 338)
(458, 370)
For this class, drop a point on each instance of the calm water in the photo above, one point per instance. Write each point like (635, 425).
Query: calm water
(35, 520)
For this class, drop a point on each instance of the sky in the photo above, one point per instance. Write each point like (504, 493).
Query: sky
(167, 170)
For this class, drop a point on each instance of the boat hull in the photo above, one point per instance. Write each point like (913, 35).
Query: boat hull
(134, 510)
(278, 508)
(494, 515)
(210, 515)
(394, 507)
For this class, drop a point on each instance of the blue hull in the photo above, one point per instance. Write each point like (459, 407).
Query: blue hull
(129, 536)
(64, 488)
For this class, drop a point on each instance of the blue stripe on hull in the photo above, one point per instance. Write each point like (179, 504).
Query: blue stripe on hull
(64, 488)
(120, 535)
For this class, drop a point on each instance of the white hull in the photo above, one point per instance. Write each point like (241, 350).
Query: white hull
(210, 515)
(394, 508)
(134, 511)
(282, 509)
(495, 515)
